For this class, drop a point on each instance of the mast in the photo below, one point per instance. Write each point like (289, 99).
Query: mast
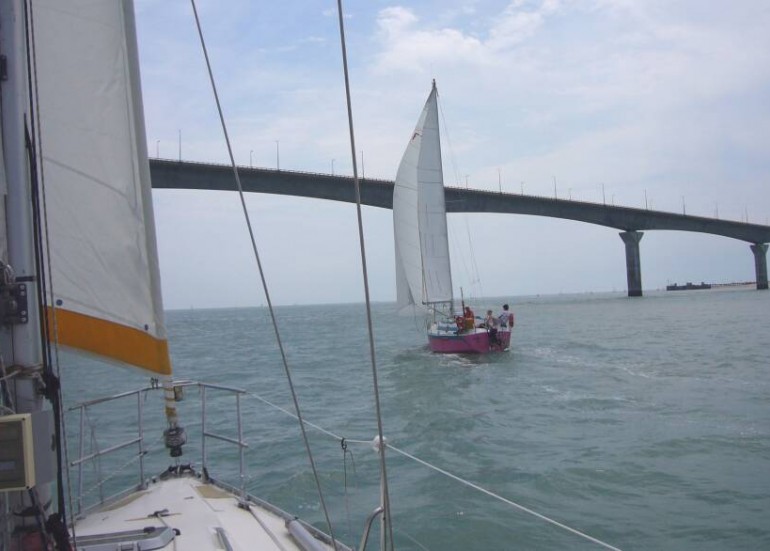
(20, 343)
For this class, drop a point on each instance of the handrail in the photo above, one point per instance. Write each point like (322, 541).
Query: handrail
(368, 526)
(206, 434)
(138, 439)
(99, 453)
(242, 446)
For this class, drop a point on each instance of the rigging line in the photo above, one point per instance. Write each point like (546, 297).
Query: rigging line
(476, 274)
(345, 452)
(440, 471)
(267, 529)
(62, 455)
(452, 158)
(504, 500)
(101, 481)
(474, 270)
(262, 277)
(308, 423)
(459, 253)
(357, 184)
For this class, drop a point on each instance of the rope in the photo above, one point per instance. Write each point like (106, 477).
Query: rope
(102, 481)
(266, 528)
(62, 454)
(292, 415)
(344, 441)
(357, 184)
(345, 452)
(159, 516)
(262, 277)
(502, 499)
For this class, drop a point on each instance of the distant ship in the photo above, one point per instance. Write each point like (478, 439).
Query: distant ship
(688, 286)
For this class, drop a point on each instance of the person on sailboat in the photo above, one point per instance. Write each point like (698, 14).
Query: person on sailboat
(470, 319)
(491, 323)
(506, 317)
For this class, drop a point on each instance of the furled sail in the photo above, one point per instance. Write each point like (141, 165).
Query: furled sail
(423, 274)
(106, 297)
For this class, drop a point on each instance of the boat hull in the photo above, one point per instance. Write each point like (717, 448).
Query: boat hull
(476, 342)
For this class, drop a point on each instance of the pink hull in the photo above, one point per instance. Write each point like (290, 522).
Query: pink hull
(468, 343)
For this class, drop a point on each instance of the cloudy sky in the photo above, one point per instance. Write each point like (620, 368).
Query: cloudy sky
(663, 101)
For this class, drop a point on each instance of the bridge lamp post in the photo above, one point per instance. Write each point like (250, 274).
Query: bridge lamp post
(645, 200)
(251, 158)
(332, 167)
(157, 149)
(500, 179)
(604, 198)
(277, 155)
(683, 208)
(522, 188)
(466, 181)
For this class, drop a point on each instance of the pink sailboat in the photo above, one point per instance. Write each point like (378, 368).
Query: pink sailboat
(423, 273)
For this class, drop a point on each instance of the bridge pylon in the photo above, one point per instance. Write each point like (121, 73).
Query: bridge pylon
(760, 264)
(633, 262)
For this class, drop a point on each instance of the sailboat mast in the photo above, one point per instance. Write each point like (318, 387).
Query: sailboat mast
(20, 343)
(441, 164)
(25, 349)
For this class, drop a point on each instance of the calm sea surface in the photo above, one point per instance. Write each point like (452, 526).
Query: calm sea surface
(642, 422)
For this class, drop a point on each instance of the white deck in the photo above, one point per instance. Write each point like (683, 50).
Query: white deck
(197, 510)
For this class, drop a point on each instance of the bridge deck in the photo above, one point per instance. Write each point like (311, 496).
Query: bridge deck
(379, 193)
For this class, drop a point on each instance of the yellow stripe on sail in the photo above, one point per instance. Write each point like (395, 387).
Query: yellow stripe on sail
(110, 340)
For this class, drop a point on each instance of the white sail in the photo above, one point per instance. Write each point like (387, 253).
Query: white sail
(104, 267)
(419, 217)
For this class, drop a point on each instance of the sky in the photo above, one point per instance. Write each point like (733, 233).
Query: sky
(661, 103)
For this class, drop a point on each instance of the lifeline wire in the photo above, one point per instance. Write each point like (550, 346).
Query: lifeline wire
(501, 498)
(448, 474)
(262, 277)
(385, 492)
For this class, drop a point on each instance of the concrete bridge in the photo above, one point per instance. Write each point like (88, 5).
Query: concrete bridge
(379, 193)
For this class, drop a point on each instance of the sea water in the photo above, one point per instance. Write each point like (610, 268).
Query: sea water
(642, 422)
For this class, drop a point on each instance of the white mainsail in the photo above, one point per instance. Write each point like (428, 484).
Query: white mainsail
(104, 267)
(419, 217)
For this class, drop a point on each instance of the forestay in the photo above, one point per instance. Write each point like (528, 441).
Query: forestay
(419, 217)
(104, 267)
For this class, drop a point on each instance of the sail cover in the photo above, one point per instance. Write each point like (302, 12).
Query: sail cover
(106, 285)
(419, 217)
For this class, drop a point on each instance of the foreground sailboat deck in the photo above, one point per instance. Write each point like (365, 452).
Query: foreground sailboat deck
(182, 510)
(184, 507)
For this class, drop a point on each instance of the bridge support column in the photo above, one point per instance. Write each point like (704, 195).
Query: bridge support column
(633, 263)
(760, 264)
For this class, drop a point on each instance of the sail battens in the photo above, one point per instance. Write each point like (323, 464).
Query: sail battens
(109, 340)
